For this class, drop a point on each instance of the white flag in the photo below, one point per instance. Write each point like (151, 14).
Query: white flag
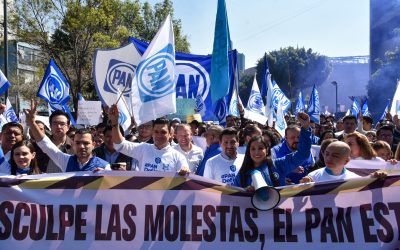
(153, 87)
(280, 124)
(395, 107)
(255, 105)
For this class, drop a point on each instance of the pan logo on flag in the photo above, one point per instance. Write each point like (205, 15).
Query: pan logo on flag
(122, 118)
(156, 77)
(192, 80)
(221, 110)
(54, 88)
(119, 74)
(10, 115)
(255, 102)
(233, 109)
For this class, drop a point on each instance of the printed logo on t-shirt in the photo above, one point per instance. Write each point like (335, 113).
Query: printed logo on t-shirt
(158, 166)
(232, 168)
(228, 178)
(157, 160)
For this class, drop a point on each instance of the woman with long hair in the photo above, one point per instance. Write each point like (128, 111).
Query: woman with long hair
(360, 147)
(257, 157)
(23, 159)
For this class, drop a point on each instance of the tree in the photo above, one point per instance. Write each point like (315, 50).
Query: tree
(70, 31)
(384, 80)
(295, 68)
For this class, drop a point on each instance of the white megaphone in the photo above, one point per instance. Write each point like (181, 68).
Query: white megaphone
(265, 197)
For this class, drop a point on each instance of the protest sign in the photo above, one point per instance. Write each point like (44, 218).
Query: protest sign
(89, 113)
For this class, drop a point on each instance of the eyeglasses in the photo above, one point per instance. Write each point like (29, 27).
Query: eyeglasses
(61, 124)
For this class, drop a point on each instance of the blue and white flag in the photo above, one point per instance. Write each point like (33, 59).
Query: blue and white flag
(313, 106)
(124, 115)
(300, 105)
(265, 73)
(220, 61)
(279, 97)
(153, 88)
(80, 97)
(395, 106)
(9, 114)
(355, 108)
(365, 110)
(280, 124)
(255, 105)
(235, 100)
(54, 89)
(269, 107)
(4, 83)
(193, 80)
(385, 111)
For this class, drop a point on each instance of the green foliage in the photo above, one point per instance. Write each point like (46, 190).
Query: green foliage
(70, 31)
(297, 67)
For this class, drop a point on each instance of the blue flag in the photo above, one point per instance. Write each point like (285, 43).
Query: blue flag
(279, 97)
(193, 81)
(265, 73)
(300, 106)
(355, 108)
(4, 83)
(220, 55)
(383, 116)
(365, 110)
(54, 89)
(313, 106)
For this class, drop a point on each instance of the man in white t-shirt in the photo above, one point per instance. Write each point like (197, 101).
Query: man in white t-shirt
(159, 156)
(224, 166)
(193, 153)
(336, 156)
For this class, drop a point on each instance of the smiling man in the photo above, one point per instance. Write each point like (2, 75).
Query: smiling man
(158, 157)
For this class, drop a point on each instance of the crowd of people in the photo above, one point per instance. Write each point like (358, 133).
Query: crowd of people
(227, 154)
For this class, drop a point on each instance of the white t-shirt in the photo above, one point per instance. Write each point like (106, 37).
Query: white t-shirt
(193, 157)
(5, 167)
(321, 175)
(150, 158)
(223, 170)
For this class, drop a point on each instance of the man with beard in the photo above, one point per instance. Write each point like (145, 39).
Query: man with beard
(83, 145)
(288, 146)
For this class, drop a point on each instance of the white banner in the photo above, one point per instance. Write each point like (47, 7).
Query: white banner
(132, 210)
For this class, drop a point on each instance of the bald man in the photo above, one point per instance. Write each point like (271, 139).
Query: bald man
(336, 156)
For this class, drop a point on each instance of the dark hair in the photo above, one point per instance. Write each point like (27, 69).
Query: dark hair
(366, 150)
(109, 128)
(384, 127)
(321, 139)
(229, 131)
(291, 127)
(162, 121)
(84, 131)
(378, 145)
(13, 124)
(34, 166)
(57, 113)
(272, 137)
(248, 163)
(349, 117)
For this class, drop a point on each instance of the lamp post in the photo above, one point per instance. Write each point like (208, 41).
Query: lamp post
(334, 83)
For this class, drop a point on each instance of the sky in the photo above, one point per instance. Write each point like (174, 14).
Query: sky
(329, 27)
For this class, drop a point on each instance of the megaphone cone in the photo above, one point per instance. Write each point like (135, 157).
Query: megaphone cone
(265, 197)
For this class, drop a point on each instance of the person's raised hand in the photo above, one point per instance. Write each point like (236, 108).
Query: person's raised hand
(113, 114)
(304, 120)
(30, 114)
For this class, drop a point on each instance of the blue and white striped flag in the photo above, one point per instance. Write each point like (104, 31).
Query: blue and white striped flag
(4, 83)
(153, 88)
(383, 116)
(313, 106)
(300, 105)
(355, 108)
(365, 110)
(54, 89)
